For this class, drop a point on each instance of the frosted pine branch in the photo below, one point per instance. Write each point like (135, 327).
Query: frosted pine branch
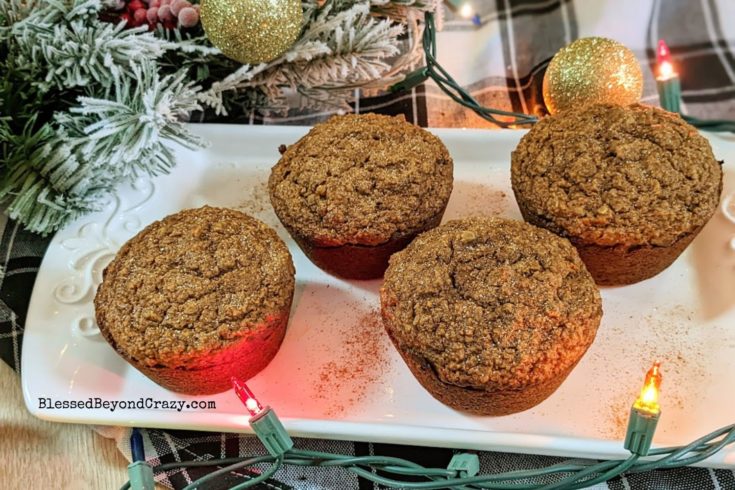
(77, 49)
(145, 112)
(12, 11)
(102, 142)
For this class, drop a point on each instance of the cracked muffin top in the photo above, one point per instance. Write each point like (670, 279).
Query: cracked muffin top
(193, 283)
(491, 303)
(610, 175)
(361, 179)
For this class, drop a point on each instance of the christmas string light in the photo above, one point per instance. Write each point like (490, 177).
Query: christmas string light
(462, 471)
(644, 414)
(139, 471)
(667, 81)
(465, 9)
(669, 93)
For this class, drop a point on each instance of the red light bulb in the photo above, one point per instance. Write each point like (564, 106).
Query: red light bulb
(246, 396)
(663, 59)
(663, 53)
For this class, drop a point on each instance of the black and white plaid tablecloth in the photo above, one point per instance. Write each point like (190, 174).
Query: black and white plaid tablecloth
(503, 64)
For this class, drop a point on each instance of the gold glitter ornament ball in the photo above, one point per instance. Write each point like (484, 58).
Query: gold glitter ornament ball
(592, 70)
(252, 31)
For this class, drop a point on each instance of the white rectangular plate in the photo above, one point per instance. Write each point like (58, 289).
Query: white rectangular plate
(337, 376)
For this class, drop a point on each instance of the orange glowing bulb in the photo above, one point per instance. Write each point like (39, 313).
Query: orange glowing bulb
(666, 71)
(648, 399)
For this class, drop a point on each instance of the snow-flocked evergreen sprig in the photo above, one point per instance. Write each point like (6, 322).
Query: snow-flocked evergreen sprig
(146, 111)
(108, 113)
(88, 150)
(88, 102)
(74, 49)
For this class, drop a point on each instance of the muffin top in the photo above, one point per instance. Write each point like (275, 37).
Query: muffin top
(611, 175)
(361, 179)
(491, 303)
(191, 284)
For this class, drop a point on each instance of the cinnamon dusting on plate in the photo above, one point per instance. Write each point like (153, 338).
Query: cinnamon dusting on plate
(360, 364)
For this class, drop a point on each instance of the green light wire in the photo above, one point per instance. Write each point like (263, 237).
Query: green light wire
(263, 477)
(237, 466)
(580, 479)
(578, 474)
(704, 445)
(458, 94)
(450, 86)
(714, 125)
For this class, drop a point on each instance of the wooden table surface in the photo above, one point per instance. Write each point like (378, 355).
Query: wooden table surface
(36, 454)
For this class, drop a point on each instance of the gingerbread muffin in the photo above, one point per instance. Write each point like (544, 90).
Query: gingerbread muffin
(358, 188)
(198, 297)
(629, 186)
(489, 314)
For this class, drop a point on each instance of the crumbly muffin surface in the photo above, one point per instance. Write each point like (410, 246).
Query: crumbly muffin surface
(193, 283)
(361, 179)
(611, 175)
(491, 303)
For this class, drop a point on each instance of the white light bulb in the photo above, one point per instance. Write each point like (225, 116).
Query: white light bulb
(466, 10)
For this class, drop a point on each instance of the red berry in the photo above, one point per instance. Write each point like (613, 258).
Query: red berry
(188, 17)
(140, 17)
(177, 5)
(152, 15)
(164, 13)
(135, 5)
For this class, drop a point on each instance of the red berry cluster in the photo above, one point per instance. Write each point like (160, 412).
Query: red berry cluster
(168, 13)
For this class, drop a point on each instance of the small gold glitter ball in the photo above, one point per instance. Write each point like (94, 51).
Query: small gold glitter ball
(592, 70)
(252, 31)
